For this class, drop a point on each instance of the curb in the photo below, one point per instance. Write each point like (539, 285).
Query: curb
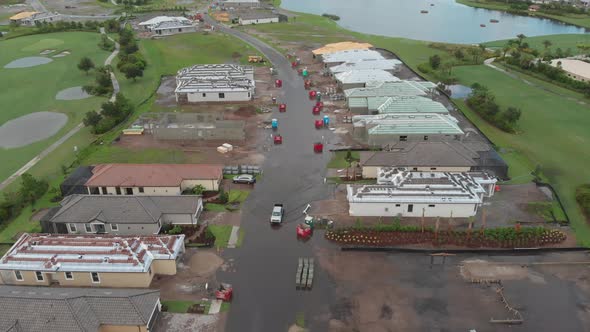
(496, 251)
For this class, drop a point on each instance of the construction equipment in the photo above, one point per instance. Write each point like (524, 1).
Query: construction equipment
(255, 59)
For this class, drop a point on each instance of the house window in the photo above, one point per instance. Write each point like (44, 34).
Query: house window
(128, 191)
(68, 275)
(221, 95)
(204, 95)
(433, 168)
(95, 277)
(88, 228)
(150, 270)
(18, 275)
(114, 227)
(179, 30)
(430, 205)
(398, 205)
(426, 137)
(118, 190)
(386, 209)
(39, 275)
(104, 190)
(73, 228)
(410, 207)
(249, 95)
(141, 190)
(415, 169)
(403, 138)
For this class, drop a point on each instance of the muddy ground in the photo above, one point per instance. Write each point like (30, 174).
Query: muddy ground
(405, 292)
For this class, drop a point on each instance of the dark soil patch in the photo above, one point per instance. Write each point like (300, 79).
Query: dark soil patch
(342, 310)
(246, 111)
(386, 312)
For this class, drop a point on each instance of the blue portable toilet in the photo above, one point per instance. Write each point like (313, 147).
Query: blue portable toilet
(326, 121)
(275, 123)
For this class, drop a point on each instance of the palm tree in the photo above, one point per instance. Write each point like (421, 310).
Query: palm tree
(547, 43)
(505, 50)
(520, 37)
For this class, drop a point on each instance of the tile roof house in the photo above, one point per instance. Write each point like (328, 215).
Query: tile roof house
(34, 309)
(359, 78)
(152, 179)
(90, 260)
(123, 215)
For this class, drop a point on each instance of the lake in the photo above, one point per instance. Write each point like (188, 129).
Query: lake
(446, 21)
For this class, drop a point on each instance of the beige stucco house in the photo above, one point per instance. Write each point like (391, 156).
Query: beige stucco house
(90, 260)
(152, 179)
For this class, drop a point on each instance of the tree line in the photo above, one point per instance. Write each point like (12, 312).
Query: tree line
(110, 115)
(30, 190)
(483, 102)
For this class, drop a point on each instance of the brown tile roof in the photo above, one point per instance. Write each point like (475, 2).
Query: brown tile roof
(151, 175)
(433, 154)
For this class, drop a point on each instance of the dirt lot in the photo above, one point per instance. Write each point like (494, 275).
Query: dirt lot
(173, 322)
(409, 293)
(77, 7)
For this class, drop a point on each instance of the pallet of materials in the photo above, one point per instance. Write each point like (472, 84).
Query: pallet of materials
(304, 275)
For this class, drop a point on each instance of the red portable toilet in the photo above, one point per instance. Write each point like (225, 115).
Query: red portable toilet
(316, 110)
(307, 84)
(283, 108)
(320, 104)
(318, 147)
(319, 124)
(312, 94)
(278, 139)
(278, 83)
(293, 64)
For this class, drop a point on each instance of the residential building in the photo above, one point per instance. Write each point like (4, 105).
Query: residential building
(421, 194)
(239, 3)
(215, 83)
(453, 156)
(332, 59)
(257, 17)
(152, 179)
(384, 129)
(359, 78)
(340, 46)
(358, 99)
(168, 25)
(534, 8)
(122, 215)
(576, 69)
(90, 260)
(374, 64)
(32, 18)
(34, 309)
(75, 183)
(411, 104)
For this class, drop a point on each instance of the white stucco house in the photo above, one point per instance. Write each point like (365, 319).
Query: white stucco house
(215, 83)
(257, 17)
(416, 194)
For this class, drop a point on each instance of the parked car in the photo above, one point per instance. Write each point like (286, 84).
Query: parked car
(244, 178)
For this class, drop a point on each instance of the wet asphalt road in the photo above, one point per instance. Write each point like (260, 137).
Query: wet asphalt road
(264, 281)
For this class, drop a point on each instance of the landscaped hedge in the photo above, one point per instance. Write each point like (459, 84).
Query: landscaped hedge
(583, 198)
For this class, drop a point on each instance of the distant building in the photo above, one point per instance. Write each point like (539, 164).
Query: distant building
(167, 25)
(534, 8)
(359, 78)
(576, 69)
(257, 17)
(90, 260)
(374, 94)
(454, 156)
(123, 215)
(152, 179)
(406, 104)
(391, 65)
(191, 126)
(332, 59)
(215, 83)
(417, 194)
(384, 129)
(32, 18)
(58, 309)
(239, 3)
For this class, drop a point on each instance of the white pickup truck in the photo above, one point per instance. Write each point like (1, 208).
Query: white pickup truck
(277, 214)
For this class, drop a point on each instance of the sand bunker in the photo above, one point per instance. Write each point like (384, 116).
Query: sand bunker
(31, 128)
(73, 93)
(45, 52)
(31, 61)
(204, 263)
(62, 54)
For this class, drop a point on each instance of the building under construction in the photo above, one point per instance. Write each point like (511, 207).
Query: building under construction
(215, 83)
(191, 126)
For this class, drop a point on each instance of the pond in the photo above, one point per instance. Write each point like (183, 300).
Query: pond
(459, 91)
(446, 21)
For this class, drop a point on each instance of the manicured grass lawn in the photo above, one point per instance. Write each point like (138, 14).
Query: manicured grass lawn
(33, 89)
(238, 196)
(222, 234)
(577, 19)
(339, 159)
(235, 197)
(549, 211)
(214, 207)
(559, 41)
(554, 134)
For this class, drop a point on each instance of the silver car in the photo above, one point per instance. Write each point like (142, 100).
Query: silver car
(244, 178)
